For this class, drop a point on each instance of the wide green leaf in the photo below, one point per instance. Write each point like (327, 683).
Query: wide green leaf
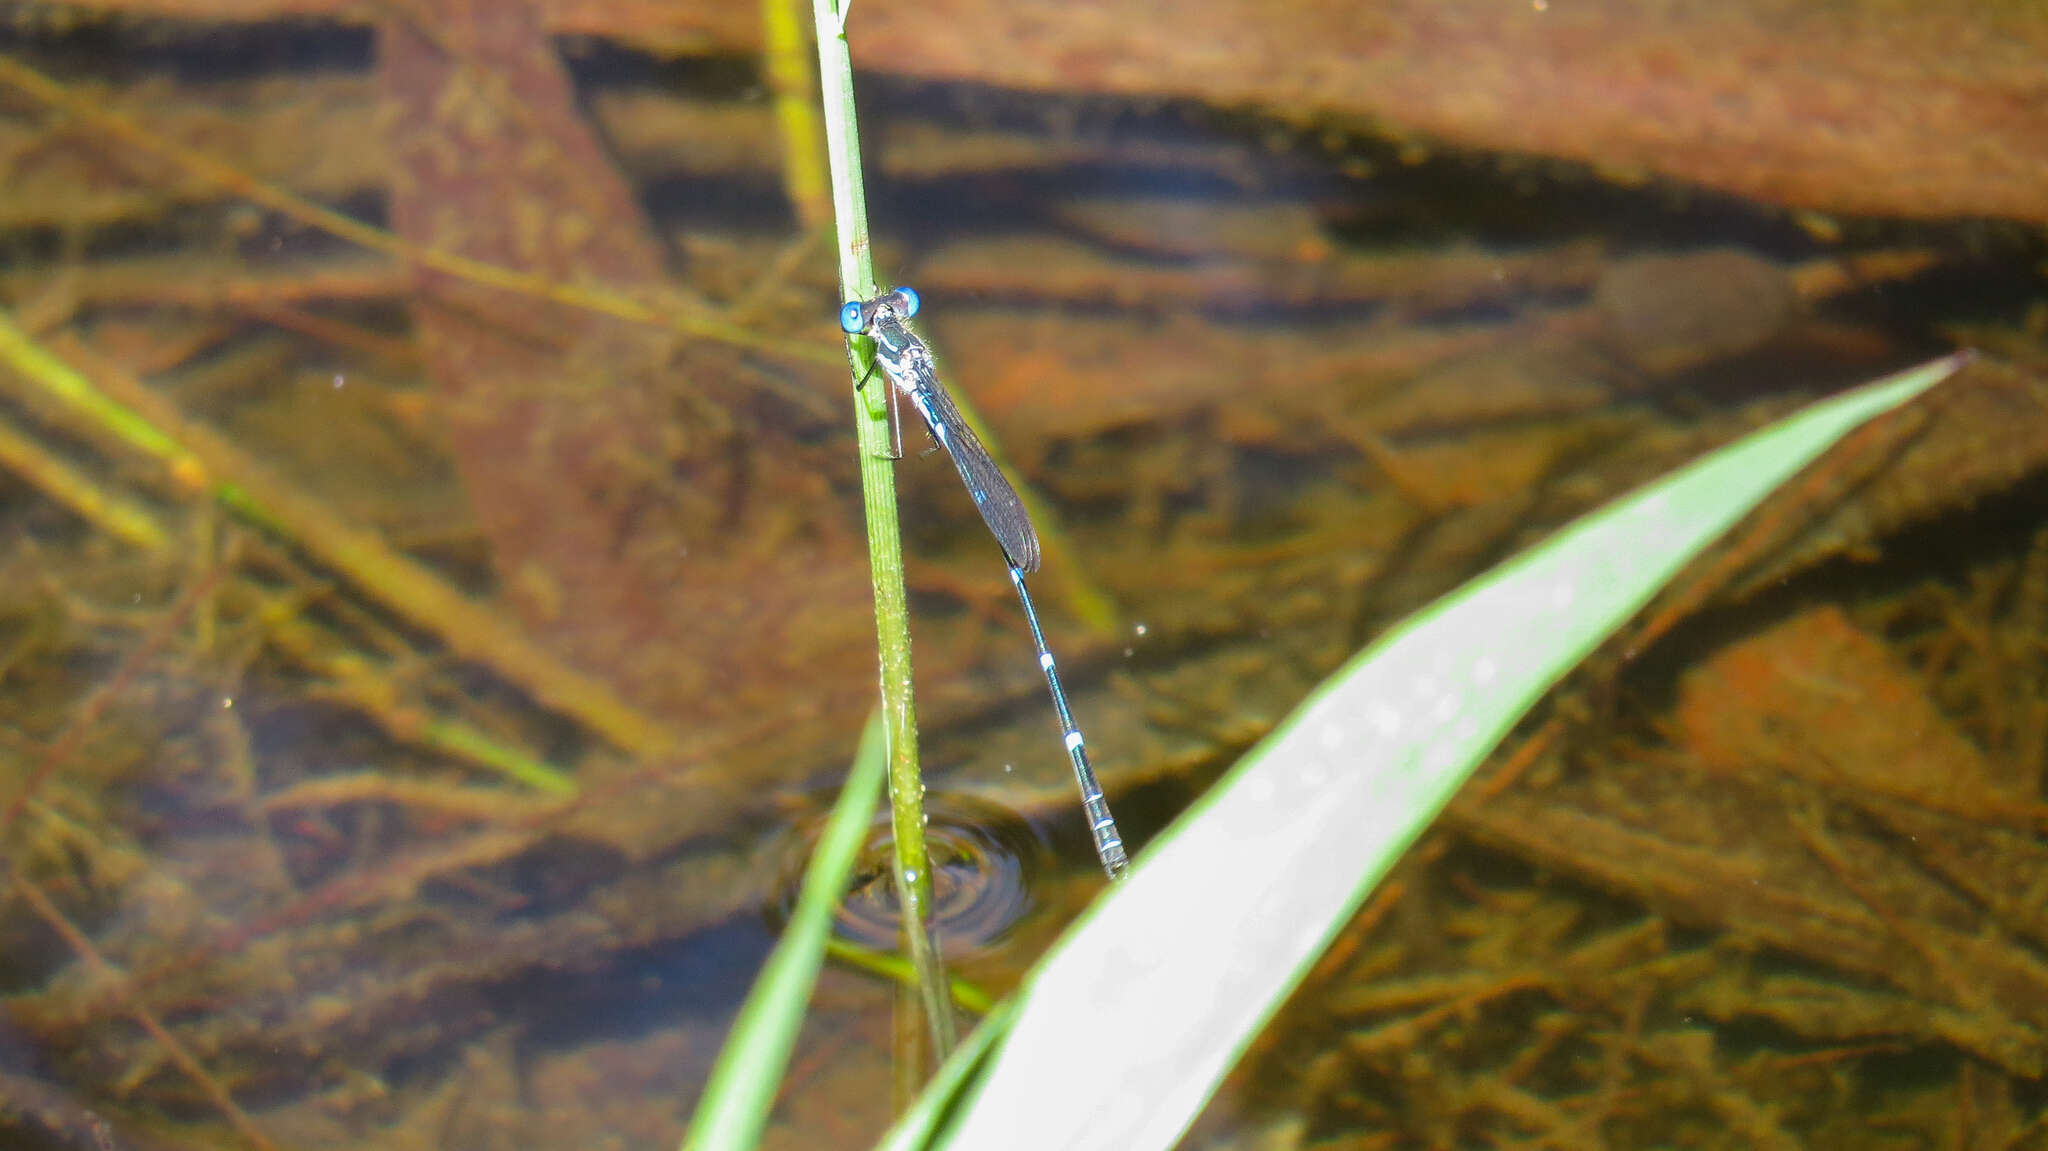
(1125, 1029)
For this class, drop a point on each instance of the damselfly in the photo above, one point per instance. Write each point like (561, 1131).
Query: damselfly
(904, 359)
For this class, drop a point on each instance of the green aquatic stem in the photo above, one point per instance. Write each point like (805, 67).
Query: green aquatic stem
(71, 391)
(95, 503)
(885, 536)
(787, 67)
(968, 995)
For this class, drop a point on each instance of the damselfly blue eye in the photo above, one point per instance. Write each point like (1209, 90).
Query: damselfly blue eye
(852, 318)
(906, 300)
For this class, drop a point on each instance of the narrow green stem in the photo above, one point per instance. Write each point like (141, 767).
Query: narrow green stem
(885, 543)
(968, 995)
(103, 507)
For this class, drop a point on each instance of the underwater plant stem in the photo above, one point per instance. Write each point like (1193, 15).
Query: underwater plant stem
(109, 511)
(200, 460)
(784, 61)
(365, 687)
(85, 714)
(885, 539)
(107, 975)
(46, 90)
(56, 385)
(968, 995)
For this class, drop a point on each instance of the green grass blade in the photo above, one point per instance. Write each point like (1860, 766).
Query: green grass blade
(742, 1087)
(1126, 1028)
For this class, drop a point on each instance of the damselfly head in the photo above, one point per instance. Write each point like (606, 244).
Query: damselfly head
(855, 316)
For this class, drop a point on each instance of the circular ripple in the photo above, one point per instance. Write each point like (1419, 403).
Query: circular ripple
(984, 859)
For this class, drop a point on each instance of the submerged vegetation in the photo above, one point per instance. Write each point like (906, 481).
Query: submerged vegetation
(431, 587)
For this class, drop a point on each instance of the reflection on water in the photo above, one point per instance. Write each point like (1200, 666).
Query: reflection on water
(985, 862)
(405, 688)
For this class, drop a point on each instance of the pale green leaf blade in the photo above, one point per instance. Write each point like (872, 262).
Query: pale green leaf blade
(1127, 1027)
